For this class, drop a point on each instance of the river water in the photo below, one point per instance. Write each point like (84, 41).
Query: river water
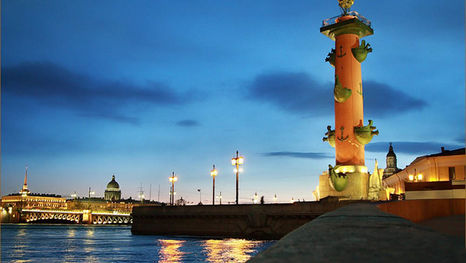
(90, 243)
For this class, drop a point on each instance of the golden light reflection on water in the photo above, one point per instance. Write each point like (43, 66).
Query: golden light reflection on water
(89, 242)
(20, 243)
(170, 250)
(71, 233)
(229, 250)
(90, 232)
(21, 232)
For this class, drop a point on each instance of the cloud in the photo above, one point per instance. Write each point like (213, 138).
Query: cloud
(115, 117)
(460, 139)
(298, 92)
(188, 123)
(53, 85)
(308, 155)
(294, 92)
(419, 148)
(381, 100)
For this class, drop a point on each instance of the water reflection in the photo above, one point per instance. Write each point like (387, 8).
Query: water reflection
(170, 250)
(71, 233)
(229, 250)
(90, 232)
(20, 239)
(21, 232)
(69, 243)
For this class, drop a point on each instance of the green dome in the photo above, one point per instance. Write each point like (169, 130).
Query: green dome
(113, 185)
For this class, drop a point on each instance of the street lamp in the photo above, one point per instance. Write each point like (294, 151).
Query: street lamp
(141, 197)
(213, 173)
(255, 199)
(237, 161)
(275, 198)
(172, 180)
(200, 196)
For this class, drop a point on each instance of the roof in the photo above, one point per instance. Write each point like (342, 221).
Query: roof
(36, 194)
(113, 185)
(442, 153)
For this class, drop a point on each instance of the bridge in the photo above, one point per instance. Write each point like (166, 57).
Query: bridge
(76, 216)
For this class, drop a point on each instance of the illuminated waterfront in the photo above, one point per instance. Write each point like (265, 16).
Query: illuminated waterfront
(89, 243)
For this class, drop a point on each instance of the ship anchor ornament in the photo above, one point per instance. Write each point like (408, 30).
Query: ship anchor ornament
(342, 138)
(341, 52)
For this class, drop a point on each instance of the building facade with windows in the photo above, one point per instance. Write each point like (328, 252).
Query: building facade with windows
(427, 176)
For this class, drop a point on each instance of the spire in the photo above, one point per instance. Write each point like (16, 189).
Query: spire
(113, 177)
(390, 150)
(26, 178)
(25, 189)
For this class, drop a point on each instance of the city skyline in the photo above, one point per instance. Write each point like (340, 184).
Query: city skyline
(143, 89)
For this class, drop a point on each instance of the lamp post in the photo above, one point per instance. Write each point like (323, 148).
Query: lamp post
(237, 161)
(89, 199)
(213, 173)
(172, 180)
(200, 196)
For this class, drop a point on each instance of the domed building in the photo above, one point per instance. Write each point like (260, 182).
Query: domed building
(113, 192)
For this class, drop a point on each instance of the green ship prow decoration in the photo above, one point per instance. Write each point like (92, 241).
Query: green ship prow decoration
(330, 136)
(364, 134)
(339, 93)
(360, 53)
(331, 57)
(339, 181)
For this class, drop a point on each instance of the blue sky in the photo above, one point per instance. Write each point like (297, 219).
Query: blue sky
(143, 88)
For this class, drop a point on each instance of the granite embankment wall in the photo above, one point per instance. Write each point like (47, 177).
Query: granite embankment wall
(424, 209)
(267, 221)
(363, 233)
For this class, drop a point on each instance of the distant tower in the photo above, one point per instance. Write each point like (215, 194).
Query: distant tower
(349, 177)
(25, 190)
(113, 192)
(391, 166)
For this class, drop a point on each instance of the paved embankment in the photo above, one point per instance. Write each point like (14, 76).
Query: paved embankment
(363, 233)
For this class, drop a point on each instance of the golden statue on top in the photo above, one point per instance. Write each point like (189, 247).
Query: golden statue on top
(345, 5)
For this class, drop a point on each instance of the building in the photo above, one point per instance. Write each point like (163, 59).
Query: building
(12, 204)
(435, 176)
(391, 164)
(113, 192)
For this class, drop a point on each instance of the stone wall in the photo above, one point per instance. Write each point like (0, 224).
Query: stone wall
(363, 233)
(268, 221)
(420, 210)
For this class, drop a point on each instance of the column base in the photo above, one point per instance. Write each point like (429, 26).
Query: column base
(356, 188)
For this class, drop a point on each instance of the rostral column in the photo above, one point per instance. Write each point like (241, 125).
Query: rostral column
(349, 177)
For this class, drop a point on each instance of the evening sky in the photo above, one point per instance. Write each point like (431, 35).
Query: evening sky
(143, 88)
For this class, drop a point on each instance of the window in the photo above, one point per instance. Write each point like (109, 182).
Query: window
(451, 173)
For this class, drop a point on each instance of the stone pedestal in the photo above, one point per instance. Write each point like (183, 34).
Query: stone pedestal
(357, 188)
